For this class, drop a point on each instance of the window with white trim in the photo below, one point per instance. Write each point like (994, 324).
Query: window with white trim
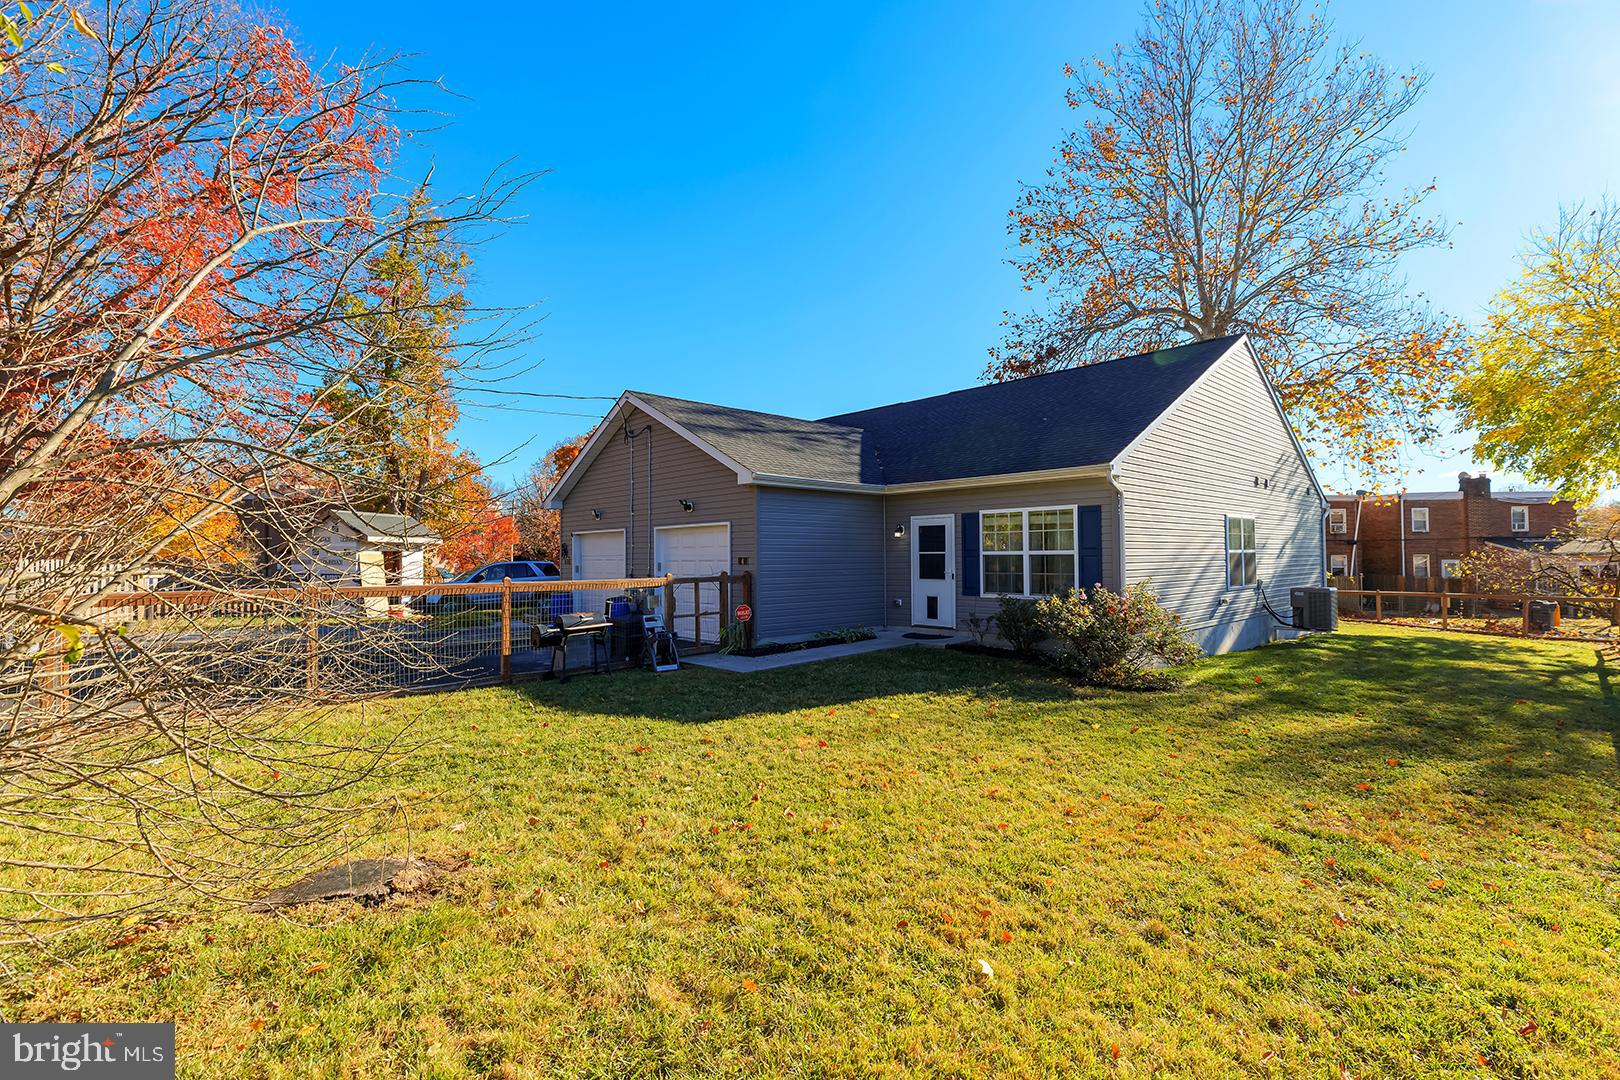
(1450, 568)
(1338, 520)
(1242, 567)
(1339, 565)
(1520, 518)
(1027, 552)
(1420, 519)
(1420, 566)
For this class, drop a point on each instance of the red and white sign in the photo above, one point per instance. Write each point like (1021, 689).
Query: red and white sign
(744, 613)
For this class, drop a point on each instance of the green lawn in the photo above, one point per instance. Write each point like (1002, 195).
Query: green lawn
(1388, 852)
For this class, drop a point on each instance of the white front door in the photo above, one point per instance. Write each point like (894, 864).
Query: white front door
(933, 571)
(689, 551)
(599, 555)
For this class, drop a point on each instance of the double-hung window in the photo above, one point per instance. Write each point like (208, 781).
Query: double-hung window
(1520, 518)
(1241, 567)
(1027, 552)
(1338, 565)
(1420, 519)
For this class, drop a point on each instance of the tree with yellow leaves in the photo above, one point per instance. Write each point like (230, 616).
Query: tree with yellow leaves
(1228, 179)
(1543, 389)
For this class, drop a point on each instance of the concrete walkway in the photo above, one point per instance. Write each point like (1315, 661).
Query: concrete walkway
(887, 638)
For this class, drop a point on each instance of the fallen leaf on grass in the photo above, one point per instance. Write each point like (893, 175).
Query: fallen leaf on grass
(313, 968)
(1363, 786)
(751, 986)
(1437, 884)
(986, 972)
(1006, 936)
(255, 1025)
(1528, 1029)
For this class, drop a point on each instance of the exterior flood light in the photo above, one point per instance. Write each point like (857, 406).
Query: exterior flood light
(686, 504)
(900, 531)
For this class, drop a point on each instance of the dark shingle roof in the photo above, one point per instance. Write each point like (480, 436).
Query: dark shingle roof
(777, 445)
(1065, 419)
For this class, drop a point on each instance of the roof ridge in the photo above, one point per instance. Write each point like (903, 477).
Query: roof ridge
(1230, 338)
(736, 408)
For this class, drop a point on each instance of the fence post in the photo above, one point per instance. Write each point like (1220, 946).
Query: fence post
(748, 598)
(725, 602)
(669, 602)
(1445, 608)
(1525, 606)
(1378, 606)
(312, 642)
(506, 629)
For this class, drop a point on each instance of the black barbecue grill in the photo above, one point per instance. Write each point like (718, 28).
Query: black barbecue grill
(564, 628)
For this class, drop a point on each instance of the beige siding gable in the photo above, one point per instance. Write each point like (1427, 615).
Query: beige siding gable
(679, 470)
(1223, 449)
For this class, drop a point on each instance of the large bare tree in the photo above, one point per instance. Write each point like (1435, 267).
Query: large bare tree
(188, 210)
(1229, 178)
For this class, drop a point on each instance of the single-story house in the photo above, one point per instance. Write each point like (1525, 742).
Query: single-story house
(1177, 466)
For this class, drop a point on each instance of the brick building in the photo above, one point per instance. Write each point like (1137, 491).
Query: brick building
(1428, 533)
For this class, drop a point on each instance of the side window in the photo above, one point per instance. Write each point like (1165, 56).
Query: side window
(1521, 518)
(1338, 520)
(1420, 566)
(1241, 566)
(1338, 565)
(1420, 519)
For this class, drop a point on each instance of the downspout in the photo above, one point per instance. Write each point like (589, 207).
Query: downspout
(1119, 527)
(1400, 509)
(630, 531)
(1355, 537)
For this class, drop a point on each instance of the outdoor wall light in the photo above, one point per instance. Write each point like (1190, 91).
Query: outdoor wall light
(597, 514)
(900, 531)
(686, 504)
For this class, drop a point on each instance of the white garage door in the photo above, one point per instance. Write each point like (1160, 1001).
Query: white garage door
(599, 555)
(695, 551)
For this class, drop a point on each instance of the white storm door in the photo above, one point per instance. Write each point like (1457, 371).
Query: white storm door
(689, 551)
(599, 555)
(933, 571)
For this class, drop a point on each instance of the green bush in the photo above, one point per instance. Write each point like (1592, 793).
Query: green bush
(1108, 639)
(1020, 625)
(848, 635)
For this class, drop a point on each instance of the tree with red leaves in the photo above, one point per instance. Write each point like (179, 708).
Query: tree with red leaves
(190, 206)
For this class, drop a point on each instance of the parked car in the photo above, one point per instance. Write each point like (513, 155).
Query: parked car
(494, 572)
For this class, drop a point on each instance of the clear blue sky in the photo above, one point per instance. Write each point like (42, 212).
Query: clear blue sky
(802, 210)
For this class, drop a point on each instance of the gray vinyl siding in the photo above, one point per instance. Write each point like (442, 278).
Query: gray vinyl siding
(1200, 464)
(679, 471)
(899, 509)
(820, 562)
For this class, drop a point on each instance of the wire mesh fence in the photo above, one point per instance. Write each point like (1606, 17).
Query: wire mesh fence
(327, 643)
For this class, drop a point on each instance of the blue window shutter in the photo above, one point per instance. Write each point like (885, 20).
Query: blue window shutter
(970, 554)
(1090, 536)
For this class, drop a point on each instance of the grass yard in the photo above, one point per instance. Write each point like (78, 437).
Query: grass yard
(1385, 853)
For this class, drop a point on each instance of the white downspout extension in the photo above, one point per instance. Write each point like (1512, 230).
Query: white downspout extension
(1119, 527)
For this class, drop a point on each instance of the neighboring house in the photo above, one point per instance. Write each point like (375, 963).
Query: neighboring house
(302, 540)
(1177, 466)
(1428, 534)
(352, 547)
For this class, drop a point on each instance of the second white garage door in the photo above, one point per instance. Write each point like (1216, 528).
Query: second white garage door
(695, 551)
